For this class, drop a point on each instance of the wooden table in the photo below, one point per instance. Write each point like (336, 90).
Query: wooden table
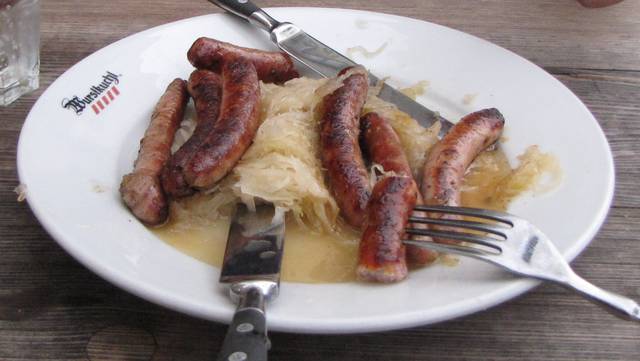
(53, 308)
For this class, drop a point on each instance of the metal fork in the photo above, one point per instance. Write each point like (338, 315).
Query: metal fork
(513, 244)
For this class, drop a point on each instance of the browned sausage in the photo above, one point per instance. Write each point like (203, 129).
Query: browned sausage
(272, 67)
(234, 130)
(449, 159)
(382, 253)
(383, 147)
(205, 88)
(141, 189)
(340, 151)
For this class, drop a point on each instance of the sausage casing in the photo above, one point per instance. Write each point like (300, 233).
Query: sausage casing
(272, 67)
(205, 87)
(340, 150)
(141, 189)
(449, 159)
(383, 147)
(382, 255)
(234, 130)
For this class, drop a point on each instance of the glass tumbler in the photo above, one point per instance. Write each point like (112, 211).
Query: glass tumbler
(19, 48)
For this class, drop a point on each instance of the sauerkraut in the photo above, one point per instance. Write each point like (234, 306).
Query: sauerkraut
(416, 89)
(415, 139)
(539, 172)
(283, 164)
(490, 182)
(366, 53)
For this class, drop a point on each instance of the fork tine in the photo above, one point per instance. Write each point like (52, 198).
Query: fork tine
(496, 229)
(449, 248)
(466, 237)
(501, 217)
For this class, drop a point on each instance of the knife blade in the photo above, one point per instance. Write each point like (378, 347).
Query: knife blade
(251, 266)
(322, 59)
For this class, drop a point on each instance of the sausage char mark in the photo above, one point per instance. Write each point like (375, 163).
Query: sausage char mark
(234, 130)
(340, 151)
(205, 88)
(141, 189)
(383, 147)
(449, 159)
(382, 255)
(272, 67)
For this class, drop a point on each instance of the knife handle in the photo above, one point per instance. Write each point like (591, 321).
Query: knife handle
(248, 11)
(246, 338)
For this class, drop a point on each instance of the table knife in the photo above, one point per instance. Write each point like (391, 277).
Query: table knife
(322, 59)
(251, 266)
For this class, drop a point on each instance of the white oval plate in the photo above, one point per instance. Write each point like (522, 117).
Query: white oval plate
(72, 164)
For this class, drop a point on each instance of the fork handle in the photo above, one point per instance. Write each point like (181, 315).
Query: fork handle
(620, 306)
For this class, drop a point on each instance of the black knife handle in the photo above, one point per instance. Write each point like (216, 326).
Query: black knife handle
(248, 11)
(246, 338)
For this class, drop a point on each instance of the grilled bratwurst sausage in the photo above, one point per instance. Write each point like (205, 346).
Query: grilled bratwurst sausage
(272, 67)
(340, 151)
(141, 189)
(449, 159)
(383, 147)
(382, 253)
(205, 88)
(234, 130)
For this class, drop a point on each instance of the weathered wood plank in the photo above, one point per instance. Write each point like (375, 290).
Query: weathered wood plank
(52, 308)
(548, 32)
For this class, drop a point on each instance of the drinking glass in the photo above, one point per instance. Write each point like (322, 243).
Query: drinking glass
(19, 48)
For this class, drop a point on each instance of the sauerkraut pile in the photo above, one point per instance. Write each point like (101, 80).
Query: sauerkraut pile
(283, 164)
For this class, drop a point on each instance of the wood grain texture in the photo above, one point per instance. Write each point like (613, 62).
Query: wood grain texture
(52, 308)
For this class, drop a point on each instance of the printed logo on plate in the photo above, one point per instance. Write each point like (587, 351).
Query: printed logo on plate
(99, 96)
